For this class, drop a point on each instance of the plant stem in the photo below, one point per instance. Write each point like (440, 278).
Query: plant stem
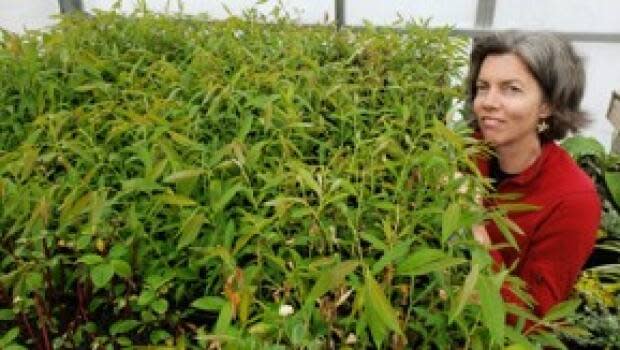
(26, 325)
(40, 307)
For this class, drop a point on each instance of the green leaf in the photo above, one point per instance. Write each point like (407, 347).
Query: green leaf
(9, 336)
(562, 310)
(329, 280)
(220, 202)
(493, 311)
(466, 292)
(140, 185)
(15, 347)
(519, 346)
(612, 179)
(374, 241)
(146, 297)
(123, 326)
(160, 306)
(380, 315)
(118, 251)
(190, 229)
(224, 319)
(426, 260)
(157, 281)
(520, 341)
(549, 340)
(507, 228)
(394, 254)
(6, 315)
(183, 175)
(579, 146)
(209, 303)
(450, 221)
(125, 342)
(176, 200)
(159, 335)
(90, 259)
(102, 274)
(82, 242)
(305, 178)
(34, 281)
(121, 268)
(245, 127)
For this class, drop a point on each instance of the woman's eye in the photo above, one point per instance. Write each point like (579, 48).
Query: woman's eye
(513, 88)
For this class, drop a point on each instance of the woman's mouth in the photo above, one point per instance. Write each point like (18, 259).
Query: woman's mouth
(490, 122)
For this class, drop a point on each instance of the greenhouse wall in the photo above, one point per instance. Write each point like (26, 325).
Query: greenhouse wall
(28, 14)
(574, 16)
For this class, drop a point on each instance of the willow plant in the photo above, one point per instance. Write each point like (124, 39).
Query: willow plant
(242, 184)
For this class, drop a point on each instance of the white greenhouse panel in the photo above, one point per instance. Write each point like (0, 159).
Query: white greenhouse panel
(16, 16)
(602, 62)
(315, 11)
(459, 13)
(560, 15)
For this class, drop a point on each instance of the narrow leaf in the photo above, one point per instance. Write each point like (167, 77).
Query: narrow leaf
(493, 311)
(612, 179)
(329, 280)
(90, 259)
(427, 260)
(224, 319)
(450, 221)
(123, 326)
(190, 229)
(174, 199)
(209, 303)
(221, 201)
(562, 310)
(34, 281)
(183, 175)
(380, 313)
(465, 292)
(6, 315)
(394, 254)
(9, 336)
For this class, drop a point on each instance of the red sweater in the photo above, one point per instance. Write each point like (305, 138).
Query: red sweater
(559, 236)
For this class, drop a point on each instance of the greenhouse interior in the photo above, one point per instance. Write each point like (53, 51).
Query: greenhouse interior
(326, 174)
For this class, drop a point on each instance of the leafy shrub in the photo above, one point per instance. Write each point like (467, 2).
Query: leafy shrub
(238, 184)
(599, 286)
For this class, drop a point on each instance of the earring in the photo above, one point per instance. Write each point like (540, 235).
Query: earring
(542, 126)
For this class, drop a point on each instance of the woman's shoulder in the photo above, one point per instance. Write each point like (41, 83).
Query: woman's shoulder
(564, 174)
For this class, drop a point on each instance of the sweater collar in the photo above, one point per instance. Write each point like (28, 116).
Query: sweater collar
(535, 168)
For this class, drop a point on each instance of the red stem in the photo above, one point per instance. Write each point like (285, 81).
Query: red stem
(4, 299)
(40, 307)
(81, 300)
(48, 275)
(26, 324)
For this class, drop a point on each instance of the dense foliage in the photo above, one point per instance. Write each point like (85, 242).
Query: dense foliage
(236, 184)
(599, 286)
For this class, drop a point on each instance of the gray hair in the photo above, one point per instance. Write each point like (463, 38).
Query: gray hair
(553, 63)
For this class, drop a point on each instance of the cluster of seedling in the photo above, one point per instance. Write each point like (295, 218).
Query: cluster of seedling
(241, 184)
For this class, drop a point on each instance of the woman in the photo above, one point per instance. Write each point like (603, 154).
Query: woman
(525, 91)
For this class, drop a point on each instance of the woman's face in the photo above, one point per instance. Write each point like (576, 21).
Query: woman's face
(508, 102)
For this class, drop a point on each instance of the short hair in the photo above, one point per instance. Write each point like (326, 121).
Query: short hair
(553, 63)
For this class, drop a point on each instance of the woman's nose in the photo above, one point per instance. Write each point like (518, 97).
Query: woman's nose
(489, 98)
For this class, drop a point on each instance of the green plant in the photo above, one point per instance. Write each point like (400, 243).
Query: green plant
(241, 184)
(599, 286)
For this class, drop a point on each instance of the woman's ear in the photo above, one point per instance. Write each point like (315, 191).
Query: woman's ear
(545, 110)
